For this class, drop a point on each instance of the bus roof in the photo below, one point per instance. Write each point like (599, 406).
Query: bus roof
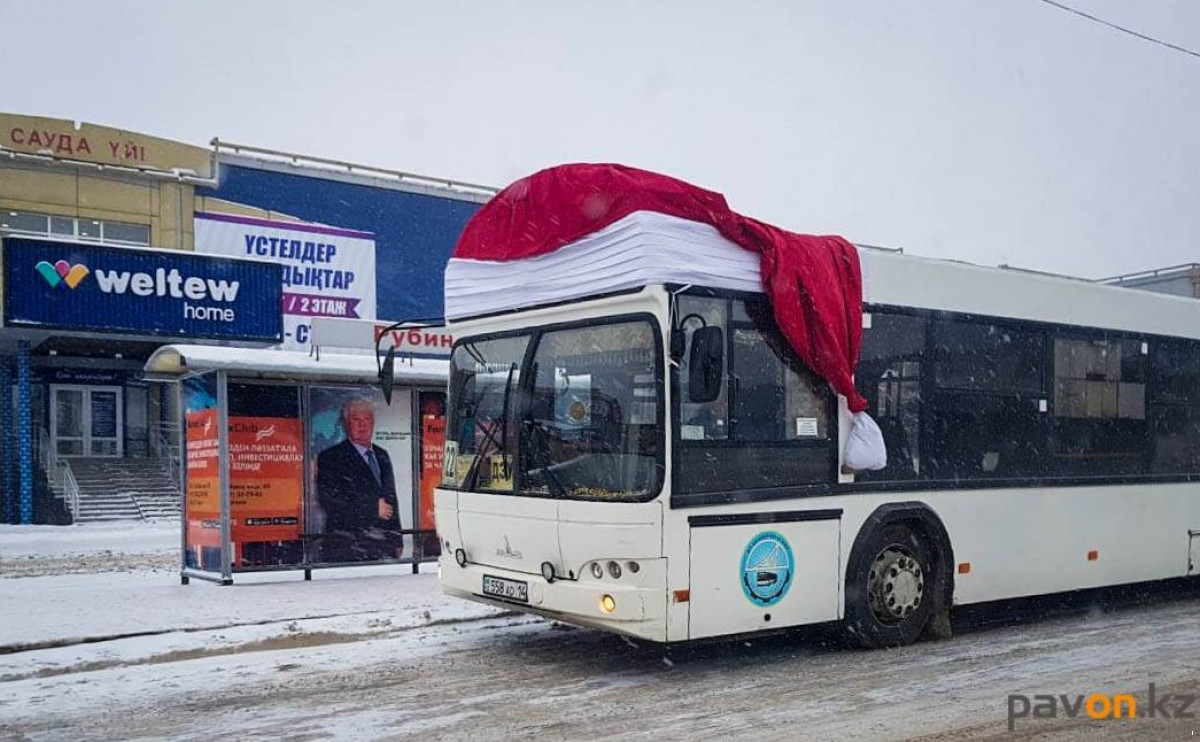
(648, 248)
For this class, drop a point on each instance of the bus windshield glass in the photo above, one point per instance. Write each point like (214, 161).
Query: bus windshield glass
(481, 433)
(581, 420)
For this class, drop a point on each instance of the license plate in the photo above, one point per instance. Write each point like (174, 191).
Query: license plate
(499, 587)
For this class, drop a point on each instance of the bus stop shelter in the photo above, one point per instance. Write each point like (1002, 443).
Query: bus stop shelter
(293, 463)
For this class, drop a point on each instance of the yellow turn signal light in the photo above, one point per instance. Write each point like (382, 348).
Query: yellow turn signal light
(608, 604)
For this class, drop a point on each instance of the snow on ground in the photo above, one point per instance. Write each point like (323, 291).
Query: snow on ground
(133, 537)
(39, 550)
(130, 594)
(380, 653)
(86, 608)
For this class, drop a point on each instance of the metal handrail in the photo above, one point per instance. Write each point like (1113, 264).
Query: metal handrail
(50, 463)
(175, 469)
(1155, 273)
(71, 490)
(137, 504)
(182, 176)
(169, 451)
(42, 449)
(350, 167)
(1036, 272)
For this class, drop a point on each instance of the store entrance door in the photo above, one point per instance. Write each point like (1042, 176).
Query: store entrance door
(86, 420)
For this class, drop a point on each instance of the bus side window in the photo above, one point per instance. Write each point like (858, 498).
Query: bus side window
(772, 417)
(702, 420)
(987, 415)
(889, 375)
(1099, 405)
(776, 398)
(1174, 406)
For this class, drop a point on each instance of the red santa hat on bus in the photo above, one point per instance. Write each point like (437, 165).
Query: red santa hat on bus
(814, 283)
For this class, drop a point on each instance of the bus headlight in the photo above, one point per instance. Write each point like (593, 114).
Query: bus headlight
(597, 571)
(548, 571)
(614, 569)
(607, 603)
(460, 556)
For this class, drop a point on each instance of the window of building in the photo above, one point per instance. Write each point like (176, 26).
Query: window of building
(122, 233)
(889, 376)
(62, 225)
(770, 425)
(41, 225)
(88, 228)
(20, 221)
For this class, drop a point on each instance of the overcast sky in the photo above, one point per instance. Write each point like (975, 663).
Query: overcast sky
(997, 132)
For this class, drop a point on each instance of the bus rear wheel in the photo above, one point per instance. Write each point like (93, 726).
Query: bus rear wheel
(889, 595)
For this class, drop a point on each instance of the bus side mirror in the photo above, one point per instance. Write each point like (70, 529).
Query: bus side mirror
(387, 375)
(706, 364)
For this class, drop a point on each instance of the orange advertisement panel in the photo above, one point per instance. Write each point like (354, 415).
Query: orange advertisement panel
(266, 498)
(203, 481)
(433, 442)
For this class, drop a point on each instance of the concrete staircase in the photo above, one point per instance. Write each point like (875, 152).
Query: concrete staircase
(124, 489)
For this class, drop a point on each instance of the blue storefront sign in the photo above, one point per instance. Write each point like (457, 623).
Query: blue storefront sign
(50, 284)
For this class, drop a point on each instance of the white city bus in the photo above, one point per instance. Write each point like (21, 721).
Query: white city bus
(638, 450)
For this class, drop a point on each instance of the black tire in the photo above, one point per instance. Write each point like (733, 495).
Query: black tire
(890, 588)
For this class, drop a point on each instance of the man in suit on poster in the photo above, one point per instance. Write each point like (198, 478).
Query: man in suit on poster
(356, 488)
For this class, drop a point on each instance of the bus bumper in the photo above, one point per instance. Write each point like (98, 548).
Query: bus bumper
(639, 607)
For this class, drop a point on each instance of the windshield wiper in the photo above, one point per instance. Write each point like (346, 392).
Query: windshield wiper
(542, 448)
(489, 435)
(474, 353)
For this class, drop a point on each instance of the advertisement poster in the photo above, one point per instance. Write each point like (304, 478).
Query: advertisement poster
(361, 496)
(266, 486)
(202, 497)
(328, 271)
(433, 441)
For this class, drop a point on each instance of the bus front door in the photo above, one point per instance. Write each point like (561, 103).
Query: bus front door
(755, 576)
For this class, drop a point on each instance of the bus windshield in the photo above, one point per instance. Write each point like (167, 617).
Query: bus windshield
(578, 418)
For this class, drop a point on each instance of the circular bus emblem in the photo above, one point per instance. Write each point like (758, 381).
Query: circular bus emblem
(767, 568)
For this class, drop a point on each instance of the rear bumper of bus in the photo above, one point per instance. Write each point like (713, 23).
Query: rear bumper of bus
(639, 608)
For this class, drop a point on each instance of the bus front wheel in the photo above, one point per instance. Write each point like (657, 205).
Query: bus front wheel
(890, 593)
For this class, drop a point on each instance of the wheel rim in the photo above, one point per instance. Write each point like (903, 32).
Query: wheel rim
(895, 585)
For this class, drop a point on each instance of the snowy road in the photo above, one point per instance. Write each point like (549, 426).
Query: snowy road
(400, 660)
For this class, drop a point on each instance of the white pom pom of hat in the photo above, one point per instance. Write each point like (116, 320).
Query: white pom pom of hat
(865, 449)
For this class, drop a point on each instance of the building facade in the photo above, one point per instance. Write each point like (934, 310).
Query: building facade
(115, 243)
(1180, 280)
